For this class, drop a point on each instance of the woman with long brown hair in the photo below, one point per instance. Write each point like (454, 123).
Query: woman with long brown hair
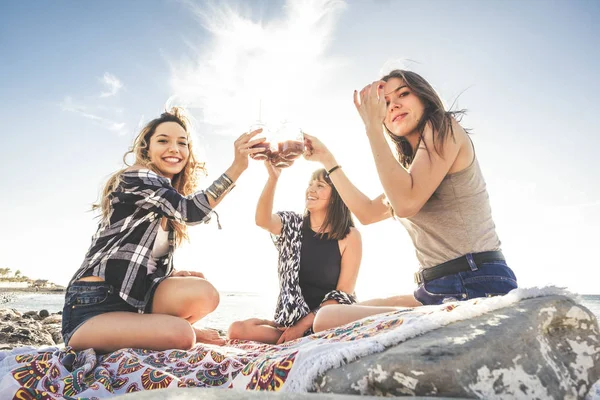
(433, 185)
(127, 292)
(319, 258)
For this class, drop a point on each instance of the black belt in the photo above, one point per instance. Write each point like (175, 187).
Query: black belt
(460, 264)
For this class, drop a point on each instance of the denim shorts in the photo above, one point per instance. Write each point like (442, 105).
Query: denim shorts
(84, 300)
(489, 279)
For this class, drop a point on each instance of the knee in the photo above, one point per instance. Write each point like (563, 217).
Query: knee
(322, 320)
(203, 298)
(236, 330)
(181, 336)
(209, 297)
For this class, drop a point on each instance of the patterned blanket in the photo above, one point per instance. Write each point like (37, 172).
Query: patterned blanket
(51, 373)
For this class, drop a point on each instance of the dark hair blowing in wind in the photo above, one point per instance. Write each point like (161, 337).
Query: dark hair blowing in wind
(434, 114)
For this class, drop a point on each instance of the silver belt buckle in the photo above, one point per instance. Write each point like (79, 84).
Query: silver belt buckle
(418, 277)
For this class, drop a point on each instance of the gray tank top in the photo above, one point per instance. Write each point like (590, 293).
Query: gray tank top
(456, 220)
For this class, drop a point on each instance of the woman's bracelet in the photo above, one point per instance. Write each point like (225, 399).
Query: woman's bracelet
(333, 169)
(220, 186)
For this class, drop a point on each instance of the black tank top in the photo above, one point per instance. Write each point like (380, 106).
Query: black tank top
(320, 264)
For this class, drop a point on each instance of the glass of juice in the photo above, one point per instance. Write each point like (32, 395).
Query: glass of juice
(290, 145)
(266, 133)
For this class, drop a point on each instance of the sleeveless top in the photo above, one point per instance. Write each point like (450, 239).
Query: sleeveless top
(291, 306)
(320, 265)
(456, 220)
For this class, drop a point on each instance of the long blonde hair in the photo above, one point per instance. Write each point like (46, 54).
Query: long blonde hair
(185, 182)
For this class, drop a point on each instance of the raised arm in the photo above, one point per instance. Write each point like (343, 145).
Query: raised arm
(365, 209)
(409, 190)
(406, 189)
(242, 148)
(264, 209)
(148, 190)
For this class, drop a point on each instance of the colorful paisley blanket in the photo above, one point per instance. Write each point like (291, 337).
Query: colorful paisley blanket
(29, 373)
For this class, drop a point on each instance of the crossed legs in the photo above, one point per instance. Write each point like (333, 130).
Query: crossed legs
(178, 303)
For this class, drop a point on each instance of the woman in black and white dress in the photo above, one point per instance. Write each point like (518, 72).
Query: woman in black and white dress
(319, 259)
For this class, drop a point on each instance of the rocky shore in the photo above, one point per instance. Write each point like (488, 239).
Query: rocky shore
(32, 328)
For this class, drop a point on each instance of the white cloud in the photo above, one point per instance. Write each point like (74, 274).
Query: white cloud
(105, 115)
(280, 64)
(91, 113)
(111, 83)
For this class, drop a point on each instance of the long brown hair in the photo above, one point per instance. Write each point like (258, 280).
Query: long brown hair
(434, 114)
(337, 215)
(185, 182)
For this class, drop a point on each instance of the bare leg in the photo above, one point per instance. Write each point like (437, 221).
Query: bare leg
(258, 330)
(336, 315)
(190, 298)
(178, 303)
(187, 297)
(405, 300)
(117, 330)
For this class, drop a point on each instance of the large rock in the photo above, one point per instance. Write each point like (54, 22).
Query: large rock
(540, 348)
(18, 329)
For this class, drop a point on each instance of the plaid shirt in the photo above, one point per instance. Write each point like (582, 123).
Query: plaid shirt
(122, 247)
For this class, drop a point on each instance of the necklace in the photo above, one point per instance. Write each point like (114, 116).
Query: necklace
(315, 227)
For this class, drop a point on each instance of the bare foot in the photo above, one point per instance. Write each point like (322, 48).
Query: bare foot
(208, 336)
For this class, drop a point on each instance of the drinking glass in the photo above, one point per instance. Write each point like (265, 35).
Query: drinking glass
(266, 133)
(290, 145)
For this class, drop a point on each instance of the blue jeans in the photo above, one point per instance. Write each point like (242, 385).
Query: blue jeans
(84, 300)
(489, 279)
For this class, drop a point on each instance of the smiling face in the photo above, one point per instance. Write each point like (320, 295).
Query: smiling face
(404, 108)
(168, 148)
(318, 195)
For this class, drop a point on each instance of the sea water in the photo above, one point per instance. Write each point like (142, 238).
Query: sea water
(233, 306)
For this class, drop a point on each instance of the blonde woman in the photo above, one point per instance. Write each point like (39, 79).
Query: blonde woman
(127, 293)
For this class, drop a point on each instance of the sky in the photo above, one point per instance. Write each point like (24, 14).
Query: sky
(79, 79)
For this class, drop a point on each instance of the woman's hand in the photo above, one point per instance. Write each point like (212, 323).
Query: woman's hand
(243, 148)
(188, 273)
(291, 333)
(274, 172)
(372, 106)
(315, 150)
